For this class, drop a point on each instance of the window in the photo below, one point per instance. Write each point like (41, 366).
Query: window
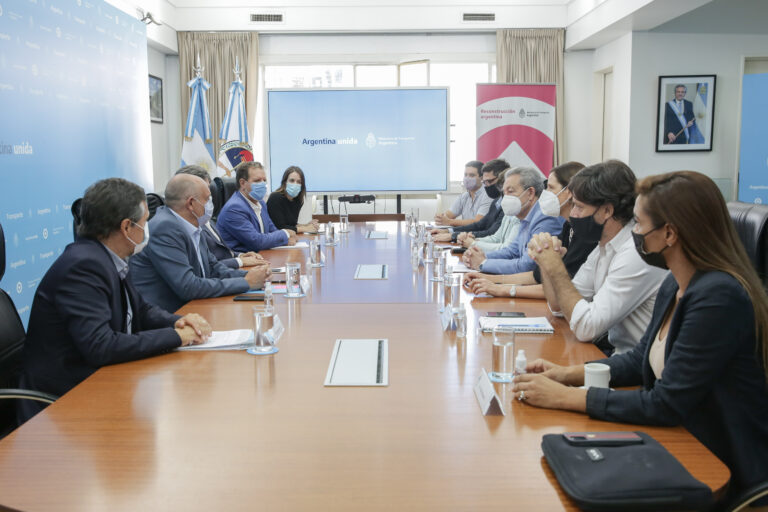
(319, 76)
(414, 74)
(376, 76)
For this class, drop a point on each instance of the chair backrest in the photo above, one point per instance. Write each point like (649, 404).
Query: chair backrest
(230, 187)
(77, 218)
(154, 201)
(217, 195)
(12, 337)
(751, 223)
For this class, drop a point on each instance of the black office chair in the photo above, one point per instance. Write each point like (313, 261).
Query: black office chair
(742, 502)
(217, 195)
(11, 352)
(751, 223)
(154, 201)
(230, 187)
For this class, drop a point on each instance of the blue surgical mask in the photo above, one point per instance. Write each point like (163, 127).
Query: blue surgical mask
(258, 190)
(207, 214)
(293, 189)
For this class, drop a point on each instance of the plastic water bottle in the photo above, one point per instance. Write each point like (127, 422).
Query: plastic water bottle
(520, 362)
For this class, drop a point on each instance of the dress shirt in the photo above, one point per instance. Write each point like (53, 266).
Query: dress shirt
(122, 270)
(468, 208)
(505, 235)
(618, 290)
(194, 233)
(514, 258)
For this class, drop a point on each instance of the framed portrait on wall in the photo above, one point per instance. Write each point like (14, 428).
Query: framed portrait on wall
(686, 113)
(155, 99)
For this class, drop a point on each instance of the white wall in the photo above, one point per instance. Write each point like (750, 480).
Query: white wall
(616, 55)
(578, 105)
(166, 138)
(655, 54)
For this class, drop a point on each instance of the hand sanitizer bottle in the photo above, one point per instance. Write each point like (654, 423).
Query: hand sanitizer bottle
(520, 362)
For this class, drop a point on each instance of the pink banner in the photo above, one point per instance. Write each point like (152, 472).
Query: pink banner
(516, 123)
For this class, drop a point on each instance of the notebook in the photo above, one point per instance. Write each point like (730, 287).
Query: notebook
(359, 362)
(535, 324)
(238, 339)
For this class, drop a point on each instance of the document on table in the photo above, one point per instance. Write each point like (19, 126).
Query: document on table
(359, 362)
(299, 245)
(238, 339)
(461, 268)
(530, 325)
(376, 235)
(372, 272)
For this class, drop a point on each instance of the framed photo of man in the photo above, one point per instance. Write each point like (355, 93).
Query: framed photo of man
(686, 113)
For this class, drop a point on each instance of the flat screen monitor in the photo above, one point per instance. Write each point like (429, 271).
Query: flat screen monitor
(360, 140)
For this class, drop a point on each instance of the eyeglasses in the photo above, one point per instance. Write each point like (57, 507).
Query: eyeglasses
(490, 182)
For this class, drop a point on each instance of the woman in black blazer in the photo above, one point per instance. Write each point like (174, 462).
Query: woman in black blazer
(284, 204)
(702, 361)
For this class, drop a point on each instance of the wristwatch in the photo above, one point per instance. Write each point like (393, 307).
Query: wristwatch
(513, 290)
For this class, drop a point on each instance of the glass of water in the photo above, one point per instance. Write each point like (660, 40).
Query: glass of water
(293, 280)
(263, 321)
(344, 223)
(330, 234)
(437, 270)
(503, 354)
(315, 254)
(460, 317)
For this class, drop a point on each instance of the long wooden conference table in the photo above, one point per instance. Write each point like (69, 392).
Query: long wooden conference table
(233, 431)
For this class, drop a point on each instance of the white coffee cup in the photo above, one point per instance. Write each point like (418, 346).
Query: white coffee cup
(597, 375)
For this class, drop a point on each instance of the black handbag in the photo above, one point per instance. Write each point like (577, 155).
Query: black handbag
(600, 471)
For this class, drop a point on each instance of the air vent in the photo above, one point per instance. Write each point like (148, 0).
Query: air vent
(479, 16)
(267, 18)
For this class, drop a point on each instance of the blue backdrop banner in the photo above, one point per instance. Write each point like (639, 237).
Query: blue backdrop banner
(753, 155)
(75, 109)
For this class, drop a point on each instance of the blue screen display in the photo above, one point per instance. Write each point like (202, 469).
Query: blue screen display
(75, 109)
(360, 140)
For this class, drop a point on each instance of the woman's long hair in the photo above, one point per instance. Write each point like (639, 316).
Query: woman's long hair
(284, 182)
(692, 203)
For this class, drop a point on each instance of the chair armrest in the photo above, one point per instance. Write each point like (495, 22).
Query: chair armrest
(25, 394)
(745, 498)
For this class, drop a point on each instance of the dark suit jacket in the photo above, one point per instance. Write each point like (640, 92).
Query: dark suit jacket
(77, 323)
(713, 382)
(239, 227)
(486, 226)
(168, 273)
(217, 246)
(672, 122)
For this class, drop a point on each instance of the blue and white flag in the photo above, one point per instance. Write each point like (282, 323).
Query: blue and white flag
(699, 112)
(198, 140)
(234, 132)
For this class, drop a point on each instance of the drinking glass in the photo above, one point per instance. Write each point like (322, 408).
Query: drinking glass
(344, 223)
(315, 254)
(503, 354)
(293, 280)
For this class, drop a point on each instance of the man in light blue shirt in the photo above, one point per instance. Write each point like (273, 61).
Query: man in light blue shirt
(522, 188)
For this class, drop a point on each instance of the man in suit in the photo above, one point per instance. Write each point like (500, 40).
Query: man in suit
(678, 118)
(243, 222)
(212, 237)
(177, 266)
(85, 313)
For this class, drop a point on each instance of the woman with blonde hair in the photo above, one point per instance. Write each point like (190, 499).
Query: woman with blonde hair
(702, 360)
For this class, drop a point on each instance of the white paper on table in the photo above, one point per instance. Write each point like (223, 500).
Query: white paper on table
(238, 339)
(299, 245)
(376, 235)
(359, 362)
(461, 268)
(531, 325)
(372, 272)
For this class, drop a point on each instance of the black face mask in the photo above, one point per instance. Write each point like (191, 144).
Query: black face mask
(587, 228)
(654, 259)
(492, 191)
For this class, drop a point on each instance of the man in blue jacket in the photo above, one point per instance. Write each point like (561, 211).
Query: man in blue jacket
(177, 265)
(86, 314)
(522, 188)
(243, 222)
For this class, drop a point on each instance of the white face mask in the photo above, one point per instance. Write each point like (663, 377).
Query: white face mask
(137, 248)
(511, 205)
(549, 203)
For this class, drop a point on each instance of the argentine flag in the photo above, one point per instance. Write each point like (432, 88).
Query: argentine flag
(198, 141)
(700, 113)
(234, 131)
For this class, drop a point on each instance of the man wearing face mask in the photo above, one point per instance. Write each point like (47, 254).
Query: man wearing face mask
(472, 205)
(522, 186)
(492, 182)
(211, 235)
(86, 314)
(244, 222)
(614, 290)
(177, 265)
